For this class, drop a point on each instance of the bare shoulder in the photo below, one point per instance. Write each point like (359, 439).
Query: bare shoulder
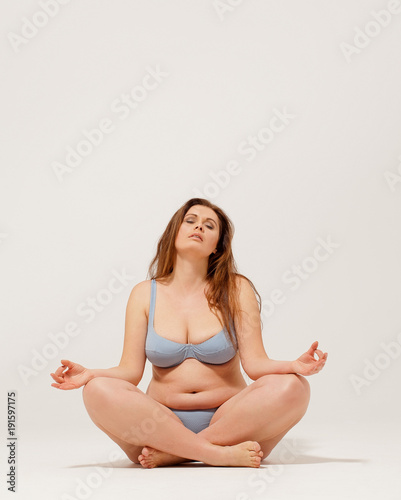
(140, 294)
(247, 297)
(244, 286)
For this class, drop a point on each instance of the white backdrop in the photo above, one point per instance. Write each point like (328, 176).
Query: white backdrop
(285, 114)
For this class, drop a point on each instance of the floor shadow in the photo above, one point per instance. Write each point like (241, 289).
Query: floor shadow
(298, 451)
(117, 464)
(311, 459)
(127, 464)
(295, 460)
(288, 451)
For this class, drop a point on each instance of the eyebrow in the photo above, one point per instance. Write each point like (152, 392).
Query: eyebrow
(208, 218)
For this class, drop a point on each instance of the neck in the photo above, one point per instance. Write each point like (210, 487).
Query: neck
(189, 274)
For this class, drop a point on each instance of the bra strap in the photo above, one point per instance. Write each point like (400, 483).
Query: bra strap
(152, 302)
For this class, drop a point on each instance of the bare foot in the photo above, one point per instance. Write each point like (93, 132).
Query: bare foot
(246, 454)
(151, 457)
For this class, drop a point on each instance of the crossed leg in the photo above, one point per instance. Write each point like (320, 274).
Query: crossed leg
(264, 412)
(133, 420)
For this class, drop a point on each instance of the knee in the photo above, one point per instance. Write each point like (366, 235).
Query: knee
(97, 390)
(297, 390)
(294, 388)
(101, 388)
(95, 384)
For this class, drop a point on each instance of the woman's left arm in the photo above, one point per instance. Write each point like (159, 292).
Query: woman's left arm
(254, 359)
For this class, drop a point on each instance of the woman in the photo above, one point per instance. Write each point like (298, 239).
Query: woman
(197, 405)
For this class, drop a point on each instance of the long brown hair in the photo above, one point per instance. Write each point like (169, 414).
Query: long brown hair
(222, 275)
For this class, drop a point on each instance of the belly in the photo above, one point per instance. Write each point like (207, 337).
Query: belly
(194, 385)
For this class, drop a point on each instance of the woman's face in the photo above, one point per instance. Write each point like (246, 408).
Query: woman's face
(203, 221)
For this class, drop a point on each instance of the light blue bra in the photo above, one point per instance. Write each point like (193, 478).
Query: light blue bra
(167, 353)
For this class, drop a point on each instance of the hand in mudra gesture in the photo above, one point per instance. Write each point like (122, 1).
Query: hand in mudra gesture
(76, 376)
(307, 364)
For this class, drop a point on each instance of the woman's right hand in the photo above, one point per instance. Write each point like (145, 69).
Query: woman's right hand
(76, 376)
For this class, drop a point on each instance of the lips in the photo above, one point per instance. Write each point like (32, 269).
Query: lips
(197, 236)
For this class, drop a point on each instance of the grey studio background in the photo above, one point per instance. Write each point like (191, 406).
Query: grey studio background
(287, 114)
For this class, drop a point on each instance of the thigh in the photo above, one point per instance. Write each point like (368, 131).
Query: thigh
(271, 383)
(102, 390)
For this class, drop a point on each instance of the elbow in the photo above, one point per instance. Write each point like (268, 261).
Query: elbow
(134, 378)
(256, 367)
(249, 372)
(253, 376)
(130, 374)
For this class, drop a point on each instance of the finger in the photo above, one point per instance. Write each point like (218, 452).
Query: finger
(57, 386)
(311, 372)
(322, 356)
(57, 378)
(311, 350)
(317, 366)
(67, 362)
(66, 386)
(313, 346)
(60, 370)
(319, 353)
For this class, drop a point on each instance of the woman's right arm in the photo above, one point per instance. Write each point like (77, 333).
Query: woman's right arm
(133, 359)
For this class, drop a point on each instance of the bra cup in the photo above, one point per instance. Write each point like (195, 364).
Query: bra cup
(216, 349)
(167, 353)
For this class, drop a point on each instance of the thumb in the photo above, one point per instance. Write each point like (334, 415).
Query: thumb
(313, 347)
(67, 362)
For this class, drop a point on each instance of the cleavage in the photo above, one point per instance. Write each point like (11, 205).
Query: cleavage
(162, 331)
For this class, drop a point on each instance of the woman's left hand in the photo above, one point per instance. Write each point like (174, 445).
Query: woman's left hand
(307, 364)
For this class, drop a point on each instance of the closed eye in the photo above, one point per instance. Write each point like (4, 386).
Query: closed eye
(191, 222)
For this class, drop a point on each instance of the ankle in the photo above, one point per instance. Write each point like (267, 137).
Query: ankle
(214, 454)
